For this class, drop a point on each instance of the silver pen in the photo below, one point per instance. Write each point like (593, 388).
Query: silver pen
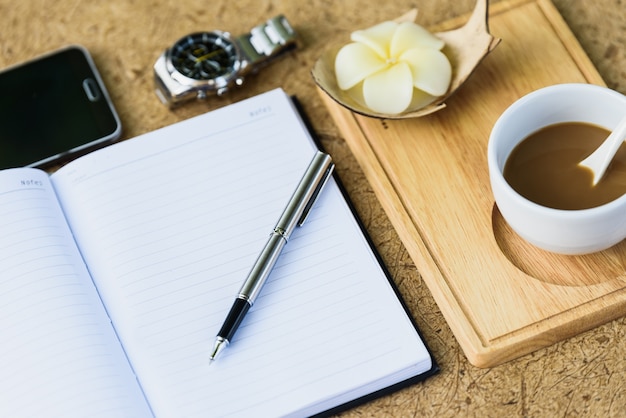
(298, 207)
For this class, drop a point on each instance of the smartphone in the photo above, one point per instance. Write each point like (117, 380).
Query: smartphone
(54, 108)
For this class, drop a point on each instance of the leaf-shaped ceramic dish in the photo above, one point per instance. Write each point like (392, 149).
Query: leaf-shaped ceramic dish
(465, 48)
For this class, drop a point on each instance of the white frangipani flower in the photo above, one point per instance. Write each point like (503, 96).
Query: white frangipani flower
(397, 65)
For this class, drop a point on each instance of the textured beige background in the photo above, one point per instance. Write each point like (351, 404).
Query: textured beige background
(583, 376)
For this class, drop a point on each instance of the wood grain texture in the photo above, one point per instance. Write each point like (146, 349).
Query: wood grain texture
(581, 376)
(502, 297)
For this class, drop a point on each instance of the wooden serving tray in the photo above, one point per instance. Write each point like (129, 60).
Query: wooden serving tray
(502, 297)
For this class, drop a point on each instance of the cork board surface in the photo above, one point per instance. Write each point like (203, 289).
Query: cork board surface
(580, 376)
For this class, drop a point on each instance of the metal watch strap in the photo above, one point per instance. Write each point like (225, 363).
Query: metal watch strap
(267, 41)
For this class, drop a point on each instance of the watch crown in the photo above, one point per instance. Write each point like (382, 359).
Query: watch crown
(201, 94)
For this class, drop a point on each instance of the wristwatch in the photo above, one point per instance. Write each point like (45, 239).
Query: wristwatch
(209, 63)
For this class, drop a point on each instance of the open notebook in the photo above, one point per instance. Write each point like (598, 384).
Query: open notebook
(168, 225)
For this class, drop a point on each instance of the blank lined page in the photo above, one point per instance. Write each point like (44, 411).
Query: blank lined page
(59, 355)
(170, 224)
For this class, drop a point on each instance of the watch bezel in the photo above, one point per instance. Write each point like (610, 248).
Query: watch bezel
(217, 84)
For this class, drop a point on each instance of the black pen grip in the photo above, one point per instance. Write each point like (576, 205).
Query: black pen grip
(235, 316)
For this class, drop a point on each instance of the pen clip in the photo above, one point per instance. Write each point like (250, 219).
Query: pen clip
(316, 193)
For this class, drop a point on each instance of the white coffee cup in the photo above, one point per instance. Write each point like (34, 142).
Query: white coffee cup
(560, 231)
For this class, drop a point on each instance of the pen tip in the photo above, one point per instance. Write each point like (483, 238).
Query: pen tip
(220, 344)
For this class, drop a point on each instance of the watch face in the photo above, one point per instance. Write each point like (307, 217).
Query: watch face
(205, 56)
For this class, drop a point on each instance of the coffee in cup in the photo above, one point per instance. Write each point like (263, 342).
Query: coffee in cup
(574, 230)
(545, 169)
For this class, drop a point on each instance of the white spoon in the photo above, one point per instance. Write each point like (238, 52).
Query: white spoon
(599, 160)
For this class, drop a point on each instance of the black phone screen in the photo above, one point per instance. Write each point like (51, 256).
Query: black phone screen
(53, 107)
